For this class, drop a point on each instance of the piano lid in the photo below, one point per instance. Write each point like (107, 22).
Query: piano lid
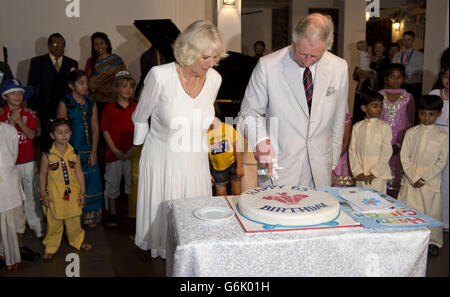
(235, 70)
(161, 33)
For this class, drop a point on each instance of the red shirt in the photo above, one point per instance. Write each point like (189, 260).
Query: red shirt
(26, 148)
(117, 121)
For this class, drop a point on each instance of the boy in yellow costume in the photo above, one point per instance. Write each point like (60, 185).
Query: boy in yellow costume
(61, 183)
(424, 155)
(370, 145)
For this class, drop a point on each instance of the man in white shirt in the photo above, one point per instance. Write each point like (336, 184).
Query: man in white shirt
(413, 61)
(294, 107)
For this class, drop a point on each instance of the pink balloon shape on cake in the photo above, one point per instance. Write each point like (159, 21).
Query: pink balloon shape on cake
(286, 199)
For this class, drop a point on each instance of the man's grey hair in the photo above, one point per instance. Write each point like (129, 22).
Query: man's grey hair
(315, 26)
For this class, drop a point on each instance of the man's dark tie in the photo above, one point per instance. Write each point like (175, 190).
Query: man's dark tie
(308, 84)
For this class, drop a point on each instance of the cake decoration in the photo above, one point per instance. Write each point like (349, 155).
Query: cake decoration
(286, 206)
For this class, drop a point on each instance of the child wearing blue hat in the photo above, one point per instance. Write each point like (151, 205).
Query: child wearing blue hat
(25, 122)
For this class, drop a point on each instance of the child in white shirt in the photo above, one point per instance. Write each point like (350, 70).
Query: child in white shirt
(424, 155)
(370, 145)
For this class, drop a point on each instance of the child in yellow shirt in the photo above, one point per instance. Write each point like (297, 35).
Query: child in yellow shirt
(225, 158)
(61, 184)
(424, 155)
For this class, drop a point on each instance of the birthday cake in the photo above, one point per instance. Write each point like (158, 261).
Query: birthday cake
(282, 205)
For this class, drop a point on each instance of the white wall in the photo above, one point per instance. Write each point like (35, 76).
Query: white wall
(229, 24)
(1, 39)
(352, 29)
(26, 39)
(301, 8)
(256, 26)
(436, 40)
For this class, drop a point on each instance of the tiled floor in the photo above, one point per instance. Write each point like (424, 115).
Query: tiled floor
(114, 254)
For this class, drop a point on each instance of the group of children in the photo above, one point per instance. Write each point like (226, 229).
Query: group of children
(389, 154)
(69, 179)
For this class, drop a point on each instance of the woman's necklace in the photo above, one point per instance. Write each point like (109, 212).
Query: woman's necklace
(184, 87)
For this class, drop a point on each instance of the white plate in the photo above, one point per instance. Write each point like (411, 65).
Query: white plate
(213, 213)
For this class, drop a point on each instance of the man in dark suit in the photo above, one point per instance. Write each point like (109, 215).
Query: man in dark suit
(47, 76)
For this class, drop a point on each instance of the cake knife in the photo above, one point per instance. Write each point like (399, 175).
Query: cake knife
(271, 180)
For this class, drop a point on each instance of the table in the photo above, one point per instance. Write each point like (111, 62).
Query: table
(220, 249)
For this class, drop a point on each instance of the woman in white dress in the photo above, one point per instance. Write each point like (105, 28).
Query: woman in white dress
(179, 97)
(441, 90)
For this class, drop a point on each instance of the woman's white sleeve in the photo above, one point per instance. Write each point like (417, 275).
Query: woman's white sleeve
(147, 103)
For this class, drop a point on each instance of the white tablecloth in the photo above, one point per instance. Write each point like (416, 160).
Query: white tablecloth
(215, 249)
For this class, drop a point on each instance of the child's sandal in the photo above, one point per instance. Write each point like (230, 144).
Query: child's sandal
(13, 267)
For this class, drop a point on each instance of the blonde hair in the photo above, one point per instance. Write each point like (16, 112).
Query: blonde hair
(199, 38)
(120, 82)
(315, 26)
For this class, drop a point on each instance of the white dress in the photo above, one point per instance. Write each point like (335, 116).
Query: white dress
(11, 193)
(174, 160)
(10, 185)
(442, 122)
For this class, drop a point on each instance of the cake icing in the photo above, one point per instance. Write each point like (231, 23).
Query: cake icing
(282, 205)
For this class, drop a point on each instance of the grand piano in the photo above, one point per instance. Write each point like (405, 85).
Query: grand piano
(235, 69)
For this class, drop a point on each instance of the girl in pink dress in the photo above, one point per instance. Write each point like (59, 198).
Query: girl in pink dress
(342, 175)
(398, 112)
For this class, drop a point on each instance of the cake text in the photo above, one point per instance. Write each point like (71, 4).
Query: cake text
(271, 187)
(294, 209)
